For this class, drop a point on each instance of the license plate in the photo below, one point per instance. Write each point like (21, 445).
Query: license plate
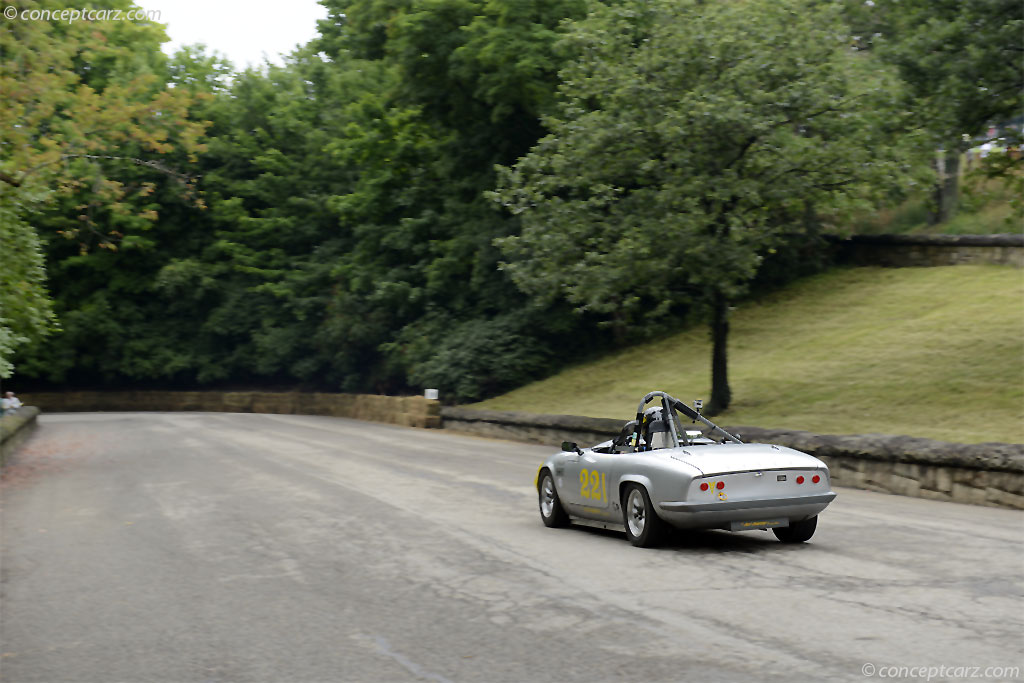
(759, 524)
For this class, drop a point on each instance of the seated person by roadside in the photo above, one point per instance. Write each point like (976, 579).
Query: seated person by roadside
(10, 403)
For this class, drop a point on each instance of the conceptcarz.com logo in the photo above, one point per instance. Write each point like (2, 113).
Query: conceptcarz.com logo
(70, 16)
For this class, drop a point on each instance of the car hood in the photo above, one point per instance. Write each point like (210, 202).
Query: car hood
(747, 457)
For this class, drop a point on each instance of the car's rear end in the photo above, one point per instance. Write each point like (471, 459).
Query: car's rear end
(748, 486)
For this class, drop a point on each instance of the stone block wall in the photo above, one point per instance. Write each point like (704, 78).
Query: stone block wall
(540, 429)
(900, 251)
(980, 474)
(408, 411)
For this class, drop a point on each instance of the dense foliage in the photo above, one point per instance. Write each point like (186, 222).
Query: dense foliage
(81, 105)
(330, 223)
(962, 65)
(687, 142)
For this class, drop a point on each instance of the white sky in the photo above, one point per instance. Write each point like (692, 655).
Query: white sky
(242, 30)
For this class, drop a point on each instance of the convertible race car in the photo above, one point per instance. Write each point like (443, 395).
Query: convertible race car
(657, 472)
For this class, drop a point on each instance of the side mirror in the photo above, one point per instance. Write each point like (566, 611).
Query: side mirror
(571, 446)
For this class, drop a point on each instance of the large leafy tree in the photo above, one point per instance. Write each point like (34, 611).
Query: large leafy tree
(347, 242)
(117, 326)
(26, 311)
(86, 125)
(461, 86)
(314, 185)
(689, 137)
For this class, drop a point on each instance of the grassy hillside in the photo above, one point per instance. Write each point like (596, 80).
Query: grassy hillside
(932, 352)
(985, 207)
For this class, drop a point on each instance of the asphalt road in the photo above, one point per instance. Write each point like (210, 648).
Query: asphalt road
(223, 547)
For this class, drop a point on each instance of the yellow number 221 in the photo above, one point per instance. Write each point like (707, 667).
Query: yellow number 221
(593, 485)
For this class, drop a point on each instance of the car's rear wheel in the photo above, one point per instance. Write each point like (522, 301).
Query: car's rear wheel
(551, 511)
(644, 528)
(797, 532)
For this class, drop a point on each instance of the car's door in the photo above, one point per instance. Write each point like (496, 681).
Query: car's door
(586, 482)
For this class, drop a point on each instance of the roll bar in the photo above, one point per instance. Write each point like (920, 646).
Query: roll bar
(670, 404)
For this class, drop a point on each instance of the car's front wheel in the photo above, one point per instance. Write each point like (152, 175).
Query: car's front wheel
(551, 511)
(644, 528)
(797, 532)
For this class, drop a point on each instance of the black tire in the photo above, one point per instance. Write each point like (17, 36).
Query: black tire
(644, 528)
(551, 511)
(797, 532)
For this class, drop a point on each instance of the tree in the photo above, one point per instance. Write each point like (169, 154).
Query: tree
(963, 65)
(462, 85)
(82, 101)
(26, 311)
(689, 137)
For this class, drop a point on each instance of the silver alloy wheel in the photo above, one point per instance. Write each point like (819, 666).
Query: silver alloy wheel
(547, 497)
(636, 512)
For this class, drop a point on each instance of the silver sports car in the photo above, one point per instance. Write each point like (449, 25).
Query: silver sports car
(659, 472)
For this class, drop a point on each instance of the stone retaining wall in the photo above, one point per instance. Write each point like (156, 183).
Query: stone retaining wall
(899, 251)
(15, 429)
(542, 429)
(981, 474)
(409, 411)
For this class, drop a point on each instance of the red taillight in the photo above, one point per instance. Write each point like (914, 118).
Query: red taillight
(816, 479)
(800, 480)
(704, 486)
(720, 485)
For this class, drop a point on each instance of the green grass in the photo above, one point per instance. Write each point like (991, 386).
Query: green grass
(930, 352)
(984, 208)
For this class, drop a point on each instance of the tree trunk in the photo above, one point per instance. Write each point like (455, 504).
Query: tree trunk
(946, 191)
(721, 395)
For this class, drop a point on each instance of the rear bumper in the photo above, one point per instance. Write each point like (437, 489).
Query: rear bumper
(692, 515)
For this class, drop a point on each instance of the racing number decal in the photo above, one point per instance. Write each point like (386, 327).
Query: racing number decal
(593, 485)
